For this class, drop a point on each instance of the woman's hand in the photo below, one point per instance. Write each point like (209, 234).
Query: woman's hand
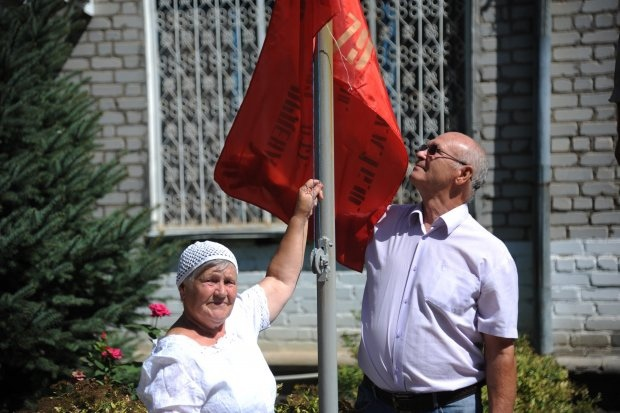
(308, 196)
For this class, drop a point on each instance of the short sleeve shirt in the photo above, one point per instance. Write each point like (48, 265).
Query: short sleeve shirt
(231, 376)
(429, 296)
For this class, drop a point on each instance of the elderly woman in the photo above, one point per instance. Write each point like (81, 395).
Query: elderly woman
(209, 360)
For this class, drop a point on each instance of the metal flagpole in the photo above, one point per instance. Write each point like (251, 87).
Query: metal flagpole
(324, 257)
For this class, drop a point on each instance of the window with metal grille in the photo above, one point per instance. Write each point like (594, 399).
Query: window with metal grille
(200, 58)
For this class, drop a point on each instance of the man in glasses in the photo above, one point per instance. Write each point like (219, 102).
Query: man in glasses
(439, 312)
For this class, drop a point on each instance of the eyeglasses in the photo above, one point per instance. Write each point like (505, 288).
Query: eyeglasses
(433, 149)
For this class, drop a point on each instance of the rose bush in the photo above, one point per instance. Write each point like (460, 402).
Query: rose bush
(108, 381)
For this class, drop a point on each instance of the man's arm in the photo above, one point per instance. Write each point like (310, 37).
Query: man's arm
(501, 373)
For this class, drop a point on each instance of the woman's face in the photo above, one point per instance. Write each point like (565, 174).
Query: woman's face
(208, 298)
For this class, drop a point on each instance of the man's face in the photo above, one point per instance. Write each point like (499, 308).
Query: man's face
(435, 164)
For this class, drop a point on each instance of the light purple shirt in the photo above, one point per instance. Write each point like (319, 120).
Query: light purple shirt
(428, 298)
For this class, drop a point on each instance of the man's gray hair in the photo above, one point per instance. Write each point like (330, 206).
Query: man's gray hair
(477, 159)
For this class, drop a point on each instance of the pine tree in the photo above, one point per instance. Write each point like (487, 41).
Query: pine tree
(65, 274)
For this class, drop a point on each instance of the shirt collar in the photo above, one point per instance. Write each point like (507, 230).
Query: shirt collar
(451, 219)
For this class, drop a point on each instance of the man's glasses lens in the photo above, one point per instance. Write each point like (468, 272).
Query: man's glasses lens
(430, 149)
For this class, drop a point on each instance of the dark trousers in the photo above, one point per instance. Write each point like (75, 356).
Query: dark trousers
(370, 401)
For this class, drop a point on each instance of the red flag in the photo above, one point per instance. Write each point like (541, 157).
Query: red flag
(268, 153)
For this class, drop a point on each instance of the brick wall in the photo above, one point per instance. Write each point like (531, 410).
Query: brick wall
(111, 54)
(585, 218)
(585, 188)
(586, 304)
(503, 68)
(585, 192)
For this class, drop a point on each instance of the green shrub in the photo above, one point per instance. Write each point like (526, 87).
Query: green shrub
(303, 399)
(109, 378)
(543, 385)
(90, 396)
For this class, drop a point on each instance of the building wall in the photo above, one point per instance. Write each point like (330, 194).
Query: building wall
(584, 190)
(584, 217)
(111, 54)
(586, 304)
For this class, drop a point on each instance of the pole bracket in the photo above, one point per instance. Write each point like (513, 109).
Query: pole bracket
(320, 260)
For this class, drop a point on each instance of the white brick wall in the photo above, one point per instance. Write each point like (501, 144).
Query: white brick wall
(585, 216)
(586, 309)
(111, 54)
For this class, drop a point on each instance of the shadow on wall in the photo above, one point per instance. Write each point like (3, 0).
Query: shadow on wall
(607, 384)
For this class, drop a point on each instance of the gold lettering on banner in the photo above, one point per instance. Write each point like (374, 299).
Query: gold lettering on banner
(357, 53)
(285, 123)
(370, 160)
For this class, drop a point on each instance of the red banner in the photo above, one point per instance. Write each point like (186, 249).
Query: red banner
(268, 153)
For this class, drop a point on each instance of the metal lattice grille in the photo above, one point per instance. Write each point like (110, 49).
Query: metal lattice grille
(206, 51)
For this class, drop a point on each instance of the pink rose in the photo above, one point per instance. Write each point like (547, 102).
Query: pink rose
(158, 310)
(113, 353)
(103, 335)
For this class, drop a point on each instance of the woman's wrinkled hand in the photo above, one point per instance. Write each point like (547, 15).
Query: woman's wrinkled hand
(308, 196)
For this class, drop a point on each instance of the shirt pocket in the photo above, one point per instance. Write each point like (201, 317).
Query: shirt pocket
(452, 289)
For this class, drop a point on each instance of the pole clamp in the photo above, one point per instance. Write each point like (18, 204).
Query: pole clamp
(320, 260)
